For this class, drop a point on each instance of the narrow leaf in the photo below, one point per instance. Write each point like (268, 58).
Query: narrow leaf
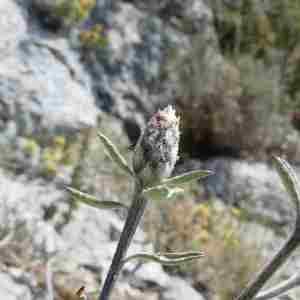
(186, 177)
(93, 201)
(289, 180)
(174, 192)
(162, 192)
(180, 254)
(166, 258)
(115, 154)
(156, 192)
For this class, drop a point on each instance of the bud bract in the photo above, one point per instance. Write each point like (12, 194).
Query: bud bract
(156, 152)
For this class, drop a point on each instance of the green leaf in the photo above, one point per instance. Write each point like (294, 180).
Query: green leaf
(172, 258)
(167, 189)
(93, 201)
(115, 154)
(289, 180)
(173, 192)
(162, 192)
(186, 177)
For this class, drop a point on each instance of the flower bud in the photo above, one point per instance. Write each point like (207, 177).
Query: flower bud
(156, 152)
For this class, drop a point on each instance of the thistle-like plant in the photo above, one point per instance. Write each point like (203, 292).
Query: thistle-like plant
(154, 158)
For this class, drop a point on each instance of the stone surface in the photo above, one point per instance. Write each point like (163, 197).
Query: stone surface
(150, 276)
(180, 290)
(43, 84)
(11, 289)
(258, 188)
(128, 75)
(253, 186)
(123, 76)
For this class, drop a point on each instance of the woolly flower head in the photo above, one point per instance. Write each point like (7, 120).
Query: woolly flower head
(157, 149)
(165, 118)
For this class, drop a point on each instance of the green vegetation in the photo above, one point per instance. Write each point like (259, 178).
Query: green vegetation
(54, 154)
(73, 11)
(251, 86)
(230, 259)
(93, 38)
(76, 12)
(72, 14)
(269, 33)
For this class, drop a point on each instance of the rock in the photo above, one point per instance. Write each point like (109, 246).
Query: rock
(253, 186)
(125, 292)
(11, 289)
(151, 276)
(179, 289)
(217, 184)
(24, 201)
(13, 25)
(128, 75)
(44, 89)
(88, 237)
(122, 77)
(257, 188)
(195, 12)
(43, 9)
(43, 85)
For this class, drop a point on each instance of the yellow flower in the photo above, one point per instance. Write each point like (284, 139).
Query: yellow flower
(31, 147)
(203, 211)
(203, 236)
(59, 141)
(50, 168)
(87, 4)
(236, 212)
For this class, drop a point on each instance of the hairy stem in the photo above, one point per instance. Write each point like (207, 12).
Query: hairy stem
(270, 268)
(135, 213)
(279, 289)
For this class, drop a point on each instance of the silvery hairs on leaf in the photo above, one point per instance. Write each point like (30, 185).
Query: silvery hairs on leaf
(156, 152)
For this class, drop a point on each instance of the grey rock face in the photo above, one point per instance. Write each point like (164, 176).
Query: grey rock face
(253, 186)
(217, 185)
(128, 78)
(43, 84)
(258, 188)
(194, 11)
(123, 76)
(180, 290)
(150, 276)
(11, 289)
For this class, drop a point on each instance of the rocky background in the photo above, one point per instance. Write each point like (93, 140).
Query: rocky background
(68, 68)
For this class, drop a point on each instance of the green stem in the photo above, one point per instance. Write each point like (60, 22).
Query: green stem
(270, 268)
(135, 213)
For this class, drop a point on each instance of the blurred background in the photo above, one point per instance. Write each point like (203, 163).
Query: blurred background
(71, 67)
